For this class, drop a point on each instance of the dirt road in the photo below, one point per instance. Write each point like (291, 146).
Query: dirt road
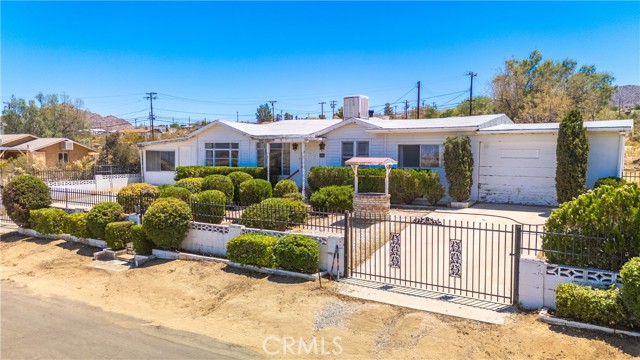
(267, 313)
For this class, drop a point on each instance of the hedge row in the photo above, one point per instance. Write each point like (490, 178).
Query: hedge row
(183, 172)
(291, 252)
(275, 214)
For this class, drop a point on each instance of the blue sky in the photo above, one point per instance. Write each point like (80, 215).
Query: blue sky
(213, 59)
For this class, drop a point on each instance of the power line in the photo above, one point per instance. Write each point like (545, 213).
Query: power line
(471, 74)
(151, 96)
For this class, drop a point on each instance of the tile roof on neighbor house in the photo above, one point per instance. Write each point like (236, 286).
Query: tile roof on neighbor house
(40, 143)
(11, 138)
(602, 125)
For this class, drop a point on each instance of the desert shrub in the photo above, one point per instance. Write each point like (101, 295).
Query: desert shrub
(254, 191)
(193, 184)
(141, 244)
(458, 167)
(118, 234)
(572, 155)
(133, 194)
(607, 221)
(275, 214)
(47, 220)
(237, 178)
(100, 215)
(630, 275)
(175, 192)
(431, 187)
(76, 224)
(297, 253)
(293, 196)
(209, 206)
(202, 171)
(252, 249)
(333, 198)
(595, 306)
(23, 194)
(610, 181)
(284, 187)
(166, 222)
(220, 183)
(323, 176)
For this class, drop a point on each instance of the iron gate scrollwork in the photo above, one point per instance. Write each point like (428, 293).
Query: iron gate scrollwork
(455, 258)
(394, 261)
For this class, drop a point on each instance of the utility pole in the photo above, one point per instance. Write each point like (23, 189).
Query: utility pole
(619, 105)
(471, 74)
(395, 111)
(322, 109)
(281, 118)
(237, 117)
(418, 113)
(151, 96)
(333, 108)
(273, 110)
(406, 109)
(189, 120)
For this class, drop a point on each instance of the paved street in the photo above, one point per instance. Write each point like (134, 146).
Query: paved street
(35, 327)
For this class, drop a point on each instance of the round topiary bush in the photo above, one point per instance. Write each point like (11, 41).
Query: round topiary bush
(275, 214)
(23, 194)
(630, 275)
(118, 234)
(175, 192)
(611, 181)
(209, 206)
(100, 215)
(237, 178)
(192, 184)
(293, 196)
(166, 222)
(47, 220)
(141, 244)
(220, 183)
(254, 191)
(132, 194)
(76, 224)
(297, 253)
(252, 249)
(285, 187)
(333, 198)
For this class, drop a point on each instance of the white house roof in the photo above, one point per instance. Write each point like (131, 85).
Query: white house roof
(602, 125)
(467, 122)
(283, 128)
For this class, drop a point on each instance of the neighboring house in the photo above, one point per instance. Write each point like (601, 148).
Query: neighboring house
(144, 131)
(513, 163)
(48, 152)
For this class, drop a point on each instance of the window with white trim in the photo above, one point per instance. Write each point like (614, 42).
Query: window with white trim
(160, 160)
(419, 156)
(354, 149)
(279, 157)
(221, 154)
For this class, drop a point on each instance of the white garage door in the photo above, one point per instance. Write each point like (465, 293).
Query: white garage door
(518, 169)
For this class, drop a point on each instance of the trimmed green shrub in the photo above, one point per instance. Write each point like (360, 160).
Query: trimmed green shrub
(293, 196)
(118, 234)
(275, 214)
(431, 187)
(194, 184)
(254, 191)
(166, 222)
(237, 178)
(47, 220)
(458, 167)
(630, 275)
(333, 198)
(610, 181)
(595, 306)
(76, 224)
(220, 183)
(23, 194)
(131, 195)
(209, 206)
(141, 244)
(252, 249)
(284, 187)
(323, 176)
(183, 172)
(297, 253)
(175, 192)
(100, 215)
(611, 216)
(572, 155)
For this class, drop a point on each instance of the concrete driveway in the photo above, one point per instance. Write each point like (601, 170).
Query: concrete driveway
(496, 213)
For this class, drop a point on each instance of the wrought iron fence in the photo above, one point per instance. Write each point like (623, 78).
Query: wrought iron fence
(54, 174)
(631, 176)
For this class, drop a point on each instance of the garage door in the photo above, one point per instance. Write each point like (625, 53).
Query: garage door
(518, 169)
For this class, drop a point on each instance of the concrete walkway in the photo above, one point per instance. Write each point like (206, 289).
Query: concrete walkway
(497, 214)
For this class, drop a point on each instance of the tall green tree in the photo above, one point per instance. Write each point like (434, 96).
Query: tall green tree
(458, 167)
(263, 113)
(119, 150)
(572, 155)
(388, 109)
(46, 116)
(339, 113)
(534, 90)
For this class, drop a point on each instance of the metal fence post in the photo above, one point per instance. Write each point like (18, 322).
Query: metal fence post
(517, 238)
(66, 198)
(347, 243)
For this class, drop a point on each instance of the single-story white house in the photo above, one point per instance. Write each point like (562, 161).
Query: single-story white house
(513, 163)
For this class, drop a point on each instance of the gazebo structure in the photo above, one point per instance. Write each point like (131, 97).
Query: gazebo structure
(371, 205)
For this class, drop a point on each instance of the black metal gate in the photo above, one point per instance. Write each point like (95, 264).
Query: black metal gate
(473, 260)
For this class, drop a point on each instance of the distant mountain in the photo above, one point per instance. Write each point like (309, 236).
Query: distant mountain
(110, 122)
(627, 96)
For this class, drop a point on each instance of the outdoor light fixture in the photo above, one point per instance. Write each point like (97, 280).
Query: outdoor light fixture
(294, 146)
(322, 145)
